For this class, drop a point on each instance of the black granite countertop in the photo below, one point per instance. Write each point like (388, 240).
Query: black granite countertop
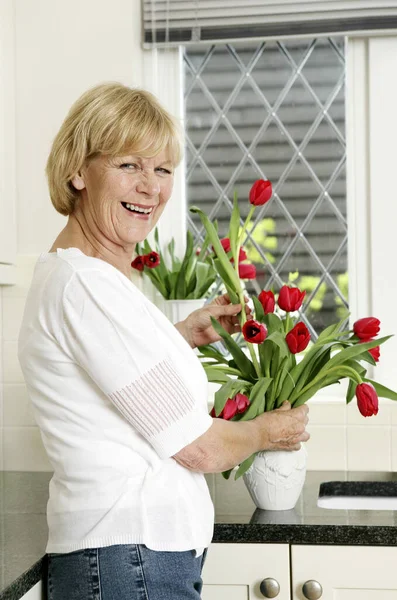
(23, 528)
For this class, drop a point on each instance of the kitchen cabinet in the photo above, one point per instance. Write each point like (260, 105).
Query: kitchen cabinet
(345, 572)
(236, 571)
(35, 593)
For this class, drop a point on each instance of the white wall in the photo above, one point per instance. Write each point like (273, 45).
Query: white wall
(62, 48)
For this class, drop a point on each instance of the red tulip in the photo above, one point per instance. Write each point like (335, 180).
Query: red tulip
(242, 402)
(290, 298)
(138, 263)
(375, 353)
(228, 412)
(298, 338)
(247, 271)
(261, 192)
(226, 246)
(366, 328)
(267, 301)
(151, 260)
(254, 332)
(367, 399)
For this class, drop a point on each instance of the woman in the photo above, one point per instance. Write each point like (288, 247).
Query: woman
(119, 396)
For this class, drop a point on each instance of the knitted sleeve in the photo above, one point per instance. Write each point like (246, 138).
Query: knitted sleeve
(110, 335)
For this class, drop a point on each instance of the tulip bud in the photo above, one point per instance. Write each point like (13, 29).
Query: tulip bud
(227, 248)
(247, 271)
(367, 399)
(375, 353)
(366, 328)
(267, 301)
(298, 338)
(254, 332)
(228, 411)
(242, 402)
(290, 298)
(138, 263)
(261, 192)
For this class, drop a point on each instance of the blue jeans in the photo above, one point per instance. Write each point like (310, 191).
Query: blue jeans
(125, 572)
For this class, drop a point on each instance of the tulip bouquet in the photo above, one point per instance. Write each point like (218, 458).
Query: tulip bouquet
(266, 372)
(191, 277)
(186, 279)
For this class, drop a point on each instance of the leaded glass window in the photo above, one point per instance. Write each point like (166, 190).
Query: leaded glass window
(275, 110)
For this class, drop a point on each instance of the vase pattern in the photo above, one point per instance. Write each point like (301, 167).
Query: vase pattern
(275, 478)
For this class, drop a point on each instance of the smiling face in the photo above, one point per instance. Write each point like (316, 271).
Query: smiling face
(122, 198)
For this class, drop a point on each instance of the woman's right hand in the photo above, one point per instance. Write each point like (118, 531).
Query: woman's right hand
(283, 428)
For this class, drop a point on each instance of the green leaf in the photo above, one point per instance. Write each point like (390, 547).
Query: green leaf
(278, 339)
(242, 361)
(186, 269)
(257, 399)
(200, 292)
(367, 357)
(310, 393)
(353, 351)
(351, 391)
(211, 352)
(296, 372)
(202, 275)
(382, 390)
(219, 251)
(244, 466)
(273, 323)
(204, 247)
(228, 390)
(312, 368)
(224, 275)
(259, 312)
(265, 356)
(331, 330)
(216, 376)
(234, 227)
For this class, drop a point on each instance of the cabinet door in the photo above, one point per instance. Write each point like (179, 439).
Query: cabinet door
(346, 572)
(235, 571)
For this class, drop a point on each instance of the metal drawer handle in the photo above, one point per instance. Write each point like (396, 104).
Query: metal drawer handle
(270, 588)
(312, 590)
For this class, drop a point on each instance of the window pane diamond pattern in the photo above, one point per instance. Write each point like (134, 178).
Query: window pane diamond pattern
(275, 110)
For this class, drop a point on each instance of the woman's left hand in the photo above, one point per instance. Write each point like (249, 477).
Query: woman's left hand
(197, 328)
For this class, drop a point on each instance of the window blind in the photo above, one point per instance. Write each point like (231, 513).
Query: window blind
(175, 22)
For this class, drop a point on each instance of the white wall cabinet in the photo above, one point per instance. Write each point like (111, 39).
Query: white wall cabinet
(346, 572)
(235, 571)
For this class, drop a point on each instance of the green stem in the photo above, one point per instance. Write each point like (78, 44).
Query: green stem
(242, 232)
(287, 323)
(348, 371)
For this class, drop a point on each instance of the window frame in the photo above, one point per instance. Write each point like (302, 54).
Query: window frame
(369, 114)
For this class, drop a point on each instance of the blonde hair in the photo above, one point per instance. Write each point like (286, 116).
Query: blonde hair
(109, 119)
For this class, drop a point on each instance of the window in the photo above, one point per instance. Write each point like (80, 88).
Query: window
(275, 110)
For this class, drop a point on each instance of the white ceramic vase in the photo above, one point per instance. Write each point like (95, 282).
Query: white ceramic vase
(179, 310)
(275, 478)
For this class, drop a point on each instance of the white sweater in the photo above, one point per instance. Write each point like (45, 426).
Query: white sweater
(117, 392)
